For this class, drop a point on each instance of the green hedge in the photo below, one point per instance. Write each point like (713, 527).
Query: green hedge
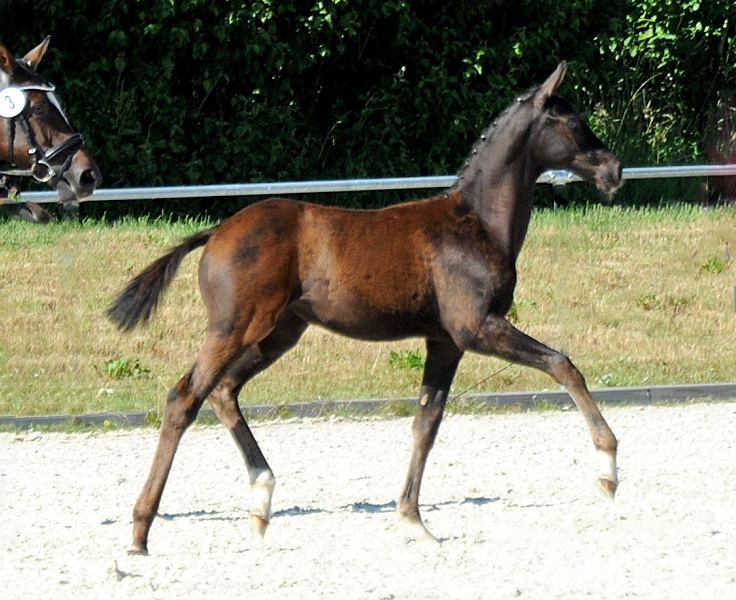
(173, 92)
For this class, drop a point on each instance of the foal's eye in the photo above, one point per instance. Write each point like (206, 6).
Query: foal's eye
(573, 125)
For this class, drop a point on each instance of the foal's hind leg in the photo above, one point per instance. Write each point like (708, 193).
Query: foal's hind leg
(182, 406)
(224, 401)
(499, 338)
(439, 370)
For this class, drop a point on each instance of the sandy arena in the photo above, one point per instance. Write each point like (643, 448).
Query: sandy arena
(511, 496)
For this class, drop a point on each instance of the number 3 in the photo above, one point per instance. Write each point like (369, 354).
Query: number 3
(12, 102)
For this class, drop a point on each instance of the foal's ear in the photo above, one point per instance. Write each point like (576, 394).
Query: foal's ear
(34, 56)
(7, 62)
(550, 86)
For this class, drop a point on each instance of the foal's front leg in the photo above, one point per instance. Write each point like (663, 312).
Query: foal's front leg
(499, 338)
(439, 370)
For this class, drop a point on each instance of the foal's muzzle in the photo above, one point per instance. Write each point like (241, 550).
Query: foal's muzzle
(601, 167)
(609, 176)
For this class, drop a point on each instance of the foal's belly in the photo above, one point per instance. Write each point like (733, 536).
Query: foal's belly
(356, 317)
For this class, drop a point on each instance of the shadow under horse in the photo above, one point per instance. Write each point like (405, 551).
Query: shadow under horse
(36, 137)
(443, 269)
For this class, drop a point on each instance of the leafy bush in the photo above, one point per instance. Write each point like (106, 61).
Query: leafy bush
(195, 91)
(665, 68)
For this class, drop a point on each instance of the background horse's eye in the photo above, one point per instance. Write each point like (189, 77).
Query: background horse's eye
(40, 110)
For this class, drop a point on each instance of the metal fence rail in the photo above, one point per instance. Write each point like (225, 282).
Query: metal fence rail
(360, 185)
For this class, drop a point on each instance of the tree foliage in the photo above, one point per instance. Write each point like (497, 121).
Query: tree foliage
(668, 67)
(210, 91)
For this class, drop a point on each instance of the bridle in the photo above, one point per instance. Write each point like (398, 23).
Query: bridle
(42, 168)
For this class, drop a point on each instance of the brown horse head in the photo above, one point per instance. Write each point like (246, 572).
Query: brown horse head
(35, 135)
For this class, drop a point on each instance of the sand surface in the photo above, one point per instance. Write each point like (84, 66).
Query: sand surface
(511, 497)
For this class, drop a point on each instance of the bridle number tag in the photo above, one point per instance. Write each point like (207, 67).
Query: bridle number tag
(12, 102)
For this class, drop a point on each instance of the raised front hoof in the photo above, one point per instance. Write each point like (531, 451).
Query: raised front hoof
(259, 524)
(137, 549)
(607, 487)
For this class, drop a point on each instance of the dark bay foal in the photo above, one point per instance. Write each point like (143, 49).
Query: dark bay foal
(442, 268)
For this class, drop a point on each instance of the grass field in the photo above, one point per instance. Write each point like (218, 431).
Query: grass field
(634, 297)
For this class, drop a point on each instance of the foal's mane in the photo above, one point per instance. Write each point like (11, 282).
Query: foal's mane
(486, 137)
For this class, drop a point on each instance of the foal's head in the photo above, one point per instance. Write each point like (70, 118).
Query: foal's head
(539, 132)
(562, 140)
(35, 135)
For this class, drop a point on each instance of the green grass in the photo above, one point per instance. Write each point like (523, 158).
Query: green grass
(634, 296)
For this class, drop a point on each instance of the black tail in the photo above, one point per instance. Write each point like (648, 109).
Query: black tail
(138, 300)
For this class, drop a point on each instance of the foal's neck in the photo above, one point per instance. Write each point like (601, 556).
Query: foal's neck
(497, 182)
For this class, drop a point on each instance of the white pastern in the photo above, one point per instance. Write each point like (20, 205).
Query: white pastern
(607, 462)
(415, 530)
(263, 487)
